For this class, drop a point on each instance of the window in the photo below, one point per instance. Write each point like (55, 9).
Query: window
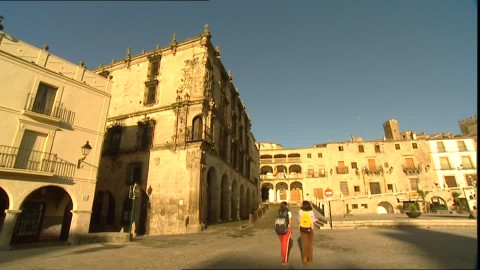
(134, 174)
(197, 128)
(44, 99)
(440, 147)
(397, 146)
(377, 148)
(445, 163)
(320, 155)
(371, 164)
(409, 163)
(354, 206)
(450, 181)
(321, 172)
(385, 165)
(354, 165)
(340, 148)
(364, 205)
(29, 155)
(375, 188)
(356, 188)
(344, 187)
(310, 172)
(390, 187)
(145, 135)
(461, 146)
(113, 138)
(414, 184)
(361, 149)
(318, 193)
(153, 72)
(414, 146)
(150, 93)
(467, 162)
(309, 155)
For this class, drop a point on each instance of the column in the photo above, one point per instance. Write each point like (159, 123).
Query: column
(8, 227)
(80, 225)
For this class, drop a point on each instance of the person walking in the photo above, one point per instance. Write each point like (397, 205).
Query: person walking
(284, 234)
(307, 219)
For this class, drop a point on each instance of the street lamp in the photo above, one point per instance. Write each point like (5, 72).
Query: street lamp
(86, 148)
(132, 197)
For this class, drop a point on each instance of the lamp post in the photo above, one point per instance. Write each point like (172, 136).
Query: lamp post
(132, 197)
(86, 148)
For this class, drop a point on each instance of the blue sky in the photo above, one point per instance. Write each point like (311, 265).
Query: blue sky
(308, 71)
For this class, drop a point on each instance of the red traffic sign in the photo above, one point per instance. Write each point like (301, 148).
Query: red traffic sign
(328, 193)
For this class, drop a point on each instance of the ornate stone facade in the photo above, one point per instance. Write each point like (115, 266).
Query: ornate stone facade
(195, 161)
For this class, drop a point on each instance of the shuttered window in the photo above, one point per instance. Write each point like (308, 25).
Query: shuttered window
(450, 181)
(414, 184)
(344, 188)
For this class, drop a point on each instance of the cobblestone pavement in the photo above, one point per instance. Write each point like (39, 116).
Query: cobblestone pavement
(238, 245)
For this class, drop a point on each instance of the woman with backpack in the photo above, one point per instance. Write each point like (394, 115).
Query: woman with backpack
(284, 219)
(307, 218)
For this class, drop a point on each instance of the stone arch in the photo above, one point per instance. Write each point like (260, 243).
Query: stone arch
(266, 169)
(46, 215)
(281, 192)
(103, 211)
(295, 168)
(384, 207)
(296, 192)
(212, 199)
(234, 211)
(281, 169)
(225, 199)
(266, 191)
(4, 205)
(243, 210)
(248, 202)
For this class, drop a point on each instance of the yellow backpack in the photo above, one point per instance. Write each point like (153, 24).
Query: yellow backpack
(306, 220)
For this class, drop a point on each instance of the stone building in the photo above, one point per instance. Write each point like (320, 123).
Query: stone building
(468, 126)
(178, 129)
(49, 109)
(365, 176)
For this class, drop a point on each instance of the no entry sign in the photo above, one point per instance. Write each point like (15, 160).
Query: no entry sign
(328, 193)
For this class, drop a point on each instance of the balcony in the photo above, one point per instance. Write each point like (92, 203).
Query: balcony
(35, 161)
(192, 135)
(411, 170)
(35, 108)
(342, 170)
(373, 170)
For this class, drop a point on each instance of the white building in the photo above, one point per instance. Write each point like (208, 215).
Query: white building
(49, 108)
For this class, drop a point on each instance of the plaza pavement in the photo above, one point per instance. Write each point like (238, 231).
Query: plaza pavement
(239, 244)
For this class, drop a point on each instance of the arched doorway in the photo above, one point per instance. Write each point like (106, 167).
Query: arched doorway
(4, 205)
(211, 198)
(282, 190)
(243, 209)
(225, 201)
(266, 187)
(384, 208)
(248, 203)
(103, 212)
(296, 192)
(234, 213)
(44, 216)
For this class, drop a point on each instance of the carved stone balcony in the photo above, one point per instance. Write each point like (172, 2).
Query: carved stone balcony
(192, 135)
(412, 170)
(25, 160)
(370, 170)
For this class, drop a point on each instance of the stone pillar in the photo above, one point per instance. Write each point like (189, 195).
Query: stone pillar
(8, 227)
(80, 225)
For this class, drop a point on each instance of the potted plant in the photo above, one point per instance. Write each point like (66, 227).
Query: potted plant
(412, 210)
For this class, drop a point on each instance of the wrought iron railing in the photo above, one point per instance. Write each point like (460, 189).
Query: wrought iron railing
(30, 160)
(373, 170)
(58, 111)
(342, 170)
(412, 169)
(199, 135)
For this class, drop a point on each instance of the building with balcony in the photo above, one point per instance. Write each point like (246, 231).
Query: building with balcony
(49, 109)
(179, 132)
(365, 176)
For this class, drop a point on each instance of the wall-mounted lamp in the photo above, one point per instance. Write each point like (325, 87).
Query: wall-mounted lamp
(86, 148)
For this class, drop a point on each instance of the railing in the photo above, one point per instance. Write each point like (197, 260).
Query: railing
(205, 135)
(58, 111)
(25, 159)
